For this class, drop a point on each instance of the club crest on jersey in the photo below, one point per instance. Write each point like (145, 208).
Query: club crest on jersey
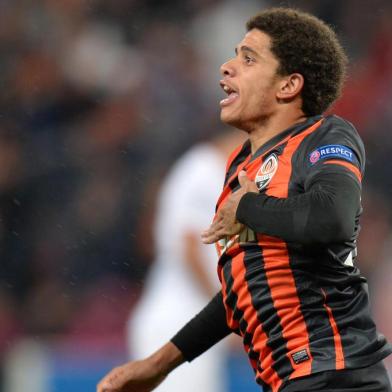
(266, 172)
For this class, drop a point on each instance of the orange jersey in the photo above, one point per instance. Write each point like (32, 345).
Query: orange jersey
(297, 307)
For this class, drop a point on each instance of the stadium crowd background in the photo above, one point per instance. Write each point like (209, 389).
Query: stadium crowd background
(97, 100)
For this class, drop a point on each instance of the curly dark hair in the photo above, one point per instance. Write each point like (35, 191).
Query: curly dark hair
(304, 44)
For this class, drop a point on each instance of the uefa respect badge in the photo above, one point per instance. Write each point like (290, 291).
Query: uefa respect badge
(331, 151)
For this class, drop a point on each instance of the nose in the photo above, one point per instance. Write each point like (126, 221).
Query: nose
(227, 69)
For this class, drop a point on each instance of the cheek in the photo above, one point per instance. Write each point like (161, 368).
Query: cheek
(256, 98)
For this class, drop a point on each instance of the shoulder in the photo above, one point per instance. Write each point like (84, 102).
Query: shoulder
(335, 137)
(334, 123)
(334, 127)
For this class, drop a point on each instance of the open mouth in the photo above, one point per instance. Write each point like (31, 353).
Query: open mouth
(232, 94)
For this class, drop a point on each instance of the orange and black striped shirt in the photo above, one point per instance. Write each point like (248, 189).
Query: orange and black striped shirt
(289, 284)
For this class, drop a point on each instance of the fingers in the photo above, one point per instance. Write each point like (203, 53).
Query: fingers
(246, 183)
(105, 386)
(210, 237)
(213, 233)
(109, 382)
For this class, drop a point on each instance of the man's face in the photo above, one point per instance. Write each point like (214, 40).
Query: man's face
(250, 79)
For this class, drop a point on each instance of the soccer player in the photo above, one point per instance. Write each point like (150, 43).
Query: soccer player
(286, 225)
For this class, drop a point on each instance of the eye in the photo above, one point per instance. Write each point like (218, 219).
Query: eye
(248, 59)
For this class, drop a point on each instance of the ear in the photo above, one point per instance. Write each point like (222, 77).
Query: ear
(290, 86)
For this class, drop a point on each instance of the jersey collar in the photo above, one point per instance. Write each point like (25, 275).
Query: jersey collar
(293, 130)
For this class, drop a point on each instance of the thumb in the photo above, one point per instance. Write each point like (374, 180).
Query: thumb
(243, 179)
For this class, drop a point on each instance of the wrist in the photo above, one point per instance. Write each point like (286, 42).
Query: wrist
(167, 358)
(247, 206)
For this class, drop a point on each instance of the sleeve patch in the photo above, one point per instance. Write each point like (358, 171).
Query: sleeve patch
(332, 151)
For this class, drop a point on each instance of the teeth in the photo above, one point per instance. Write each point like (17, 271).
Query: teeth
(227, 89)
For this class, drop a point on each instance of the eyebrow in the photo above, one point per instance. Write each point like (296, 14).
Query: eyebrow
(245, 48)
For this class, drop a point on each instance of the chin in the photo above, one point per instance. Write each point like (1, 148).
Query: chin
(230, 119)
(227, 118)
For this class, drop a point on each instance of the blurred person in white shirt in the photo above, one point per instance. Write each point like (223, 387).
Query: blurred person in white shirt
(183, 276)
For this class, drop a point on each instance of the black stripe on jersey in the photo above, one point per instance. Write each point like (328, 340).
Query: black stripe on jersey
(313, 311)
(234, 185)
(261, 299)
(238, 314)
(354, 311)
(240, 158)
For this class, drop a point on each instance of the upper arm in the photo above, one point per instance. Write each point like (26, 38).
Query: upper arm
(336, 148)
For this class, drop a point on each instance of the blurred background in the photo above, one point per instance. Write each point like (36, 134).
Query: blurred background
(98, 99)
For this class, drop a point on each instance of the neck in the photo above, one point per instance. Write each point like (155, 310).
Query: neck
(226, 143)
(274, 125)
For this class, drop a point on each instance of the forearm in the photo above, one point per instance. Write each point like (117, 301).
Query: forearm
(324, 214)
(143, 375)
(206, 329)
(167, 358)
